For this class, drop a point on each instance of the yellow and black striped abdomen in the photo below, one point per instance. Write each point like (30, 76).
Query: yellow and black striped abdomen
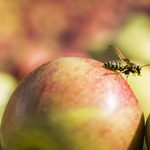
(113, 65)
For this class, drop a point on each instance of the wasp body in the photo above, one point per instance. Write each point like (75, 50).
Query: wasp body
(127, 69)
(113, 65)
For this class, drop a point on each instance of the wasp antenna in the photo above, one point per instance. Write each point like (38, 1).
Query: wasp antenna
(145, 65)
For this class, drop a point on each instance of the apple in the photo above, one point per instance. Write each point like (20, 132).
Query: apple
(72, 103)
(78, 24)
(7, 85)
(32, 55)
(133, 38)
(142, 5)
(11, 22)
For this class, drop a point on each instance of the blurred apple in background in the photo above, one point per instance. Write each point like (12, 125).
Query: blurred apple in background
(140, 5)
(7, 85)
(10, 23)
(133, 40)
(76, 24)
(33, 54)
(10, 29)
(72, 103)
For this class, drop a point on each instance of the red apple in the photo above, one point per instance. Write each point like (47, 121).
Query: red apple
(32, 55)
(72, 103)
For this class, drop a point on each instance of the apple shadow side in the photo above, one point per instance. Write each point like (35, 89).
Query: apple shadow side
(138, 137)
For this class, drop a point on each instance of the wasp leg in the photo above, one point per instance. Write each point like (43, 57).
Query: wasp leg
(134, 74)
(127, 77)
(138, 73)
(120, 73)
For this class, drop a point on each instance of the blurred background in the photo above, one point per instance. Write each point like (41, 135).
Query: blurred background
(33, 32)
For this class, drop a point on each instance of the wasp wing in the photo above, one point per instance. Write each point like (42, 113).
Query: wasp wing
(120, 55)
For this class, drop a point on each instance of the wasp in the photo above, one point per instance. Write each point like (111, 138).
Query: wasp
(127, 69)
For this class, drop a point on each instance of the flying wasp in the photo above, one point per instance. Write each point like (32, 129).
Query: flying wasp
(127, 69)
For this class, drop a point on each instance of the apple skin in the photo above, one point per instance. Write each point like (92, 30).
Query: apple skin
(72, 103)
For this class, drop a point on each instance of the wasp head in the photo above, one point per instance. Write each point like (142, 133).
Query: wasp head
(138, 68)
